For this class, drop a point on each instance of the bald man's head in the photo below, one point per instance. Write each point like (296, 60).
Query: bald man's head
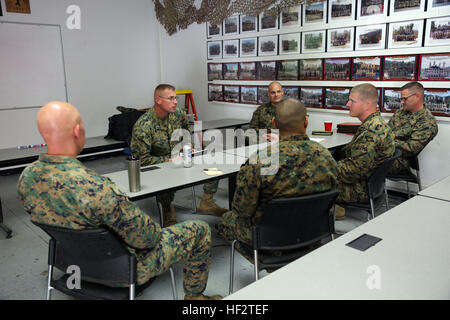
(290, 116)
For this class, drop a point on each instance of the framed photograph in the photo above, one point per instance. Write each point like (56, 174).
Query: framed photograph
(291, 92)
(437, 101)
(268, 22)
(231, 25)
(215, 92)
(311, 97)
(214, 50)
(268, 46)
(366, 68)
(266, 70)
(337, 69)
(290, 43)
(406, 7)
(247, 71)
(213, 31)
(248, 23)
(230, 71)
(336, 98)
(405, 34)
(291, 17)
(438, 6)
(287, 70)
(249, 94)
(215, 71)
(370, 37)
(438, 32)
(434, 67)
(315, 13)
(399, 68)
(391, 100)
(313, 41)
(230, 48)
(369, 9)
(263, 94)
(248, 47)
(340, 39)
(231, 93)
(341, 10)
(311, 69)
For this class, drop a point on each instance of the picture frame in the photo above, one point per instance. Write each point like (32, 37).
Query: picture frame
(338, 69)
(231, 25)
(437, 33)
(231, 93)
(311, 97)
(213, 31)
(230, 71)
(370, 9)
(291, 17)
(291, 92)
(406, 7)
(315, 13)
(215, 92)
(268, 22)
(399, 68)
(341, 10)
(366, 68)
(311, 69)
(248, 23)
(438, 6)
(249, 94)
(247, 70)
(214, 50)
(370, 37)
(437, 101)
(268, 46)
(405, 34)
(289, 43)
(434, 67)
(287, 70)
(263, 95)
(266, 70)
(215, 71)
(391, 100)
(313, 41)
(341, 39)
(1, 11)
(230, 48)
(336, 98)
(248, 47)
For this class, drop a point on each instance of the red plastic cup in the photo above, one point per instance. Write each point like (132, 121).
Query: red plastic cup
(328, 125)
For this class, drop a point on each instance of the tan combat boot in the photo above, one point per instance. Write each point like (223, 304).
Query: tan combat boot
(208, 206)
(169, 216)
(340, 213)
(202, 297)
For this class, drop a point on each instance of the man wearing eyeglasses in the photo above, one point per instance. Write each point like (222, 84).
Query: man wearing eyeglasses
(151, 141)
(413, 126)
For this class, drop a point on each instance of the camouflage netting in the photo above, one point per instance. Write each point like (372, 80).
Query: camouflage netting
(176, 15)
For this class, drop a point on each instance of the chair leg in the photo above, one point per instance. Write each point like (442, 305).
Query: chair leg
(387, 197)
(49, 282)
(255, 254)
(194, 204)
(372, 209)
(174, 287)
(230, 291)
(409, 191)
(132, 291)
(419, 182)
(161, 216)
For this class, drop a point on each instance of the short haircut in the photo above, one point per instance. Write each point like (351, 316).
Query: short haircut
(290, 115)
(163, 87)
(366, 92)
(413, 87)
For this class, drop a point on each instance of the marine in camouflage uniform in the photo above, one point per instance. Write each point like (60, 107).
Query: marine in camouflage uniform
(61, 191)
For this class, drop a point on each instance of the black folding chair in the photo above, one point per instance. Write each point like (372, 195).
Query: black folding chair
(409, 178)
(5, 228)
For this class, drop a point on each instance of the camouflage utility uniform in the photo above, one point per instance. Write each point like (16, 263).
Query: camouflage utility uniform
(151, 141)
(305, 167)
(372, 144)
(262, 117)
(412, 133)
(60, 191)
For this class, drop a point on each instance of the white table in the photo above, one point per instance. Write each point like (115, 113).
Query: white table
(440, 190)
(412, 261)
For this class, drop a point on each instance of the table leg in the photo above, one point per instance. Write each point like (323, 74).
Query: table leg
(2, 225)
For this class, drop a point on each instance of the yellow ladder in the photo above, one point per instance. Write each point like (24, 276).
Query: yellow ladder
(188, 99)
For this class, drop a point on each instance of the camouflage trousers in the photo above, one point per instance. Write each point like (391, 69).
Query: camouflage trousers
(232, 227)
(355, 192)
(166, 198)
(189, 242)
(400, 166)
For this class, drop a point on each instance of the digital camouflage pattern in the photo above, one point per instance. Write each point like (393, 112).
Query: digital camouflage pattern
(60, 191)
(412, 131)
(262, 117)
(305, 167)
(372, 144)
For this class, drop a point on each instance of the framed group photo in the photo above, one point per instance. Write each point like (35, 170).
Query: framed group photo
(437, 101)
(405, 34)
(337, 69)
(247, 71)
(231, 25)
(437, 6)
(341, 10)
(231, 93)
(268, 22)
(291, 92)
(214, 50)
(313, 41)
(434, 67)
(248, 47)
(230, 48)
(215, 92)
(249, 94)
(399, 68)
(268, 46)
(366, 68)
(291, 17)
(315, 13)
(391, 100)
(290, 43)
(287, 70)
(230, 71)
(263, 95)
(266, 70)
(340, 39)
(370, 37)
(215, 71)
(336, 98)
(248, 23)
(311, 97)
(438, 32)
(406, 7)
(311, 69)
(370, 9)
(213, 31)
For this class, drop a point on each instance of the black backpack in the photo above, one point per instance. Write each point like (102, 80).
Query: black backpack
(121, 125)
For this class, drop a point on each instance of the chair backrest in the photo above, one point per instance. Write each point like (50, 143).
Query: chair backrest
(293, 223)
(414, 162)
(375, 183)
(101, 256)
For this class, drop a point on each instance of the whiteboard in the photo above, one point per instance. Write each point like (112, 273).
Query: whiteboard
(31, 65)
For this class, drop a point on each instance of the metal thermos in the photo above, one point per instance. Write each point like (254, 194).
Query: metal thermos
(134, 173)
(187, 156)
